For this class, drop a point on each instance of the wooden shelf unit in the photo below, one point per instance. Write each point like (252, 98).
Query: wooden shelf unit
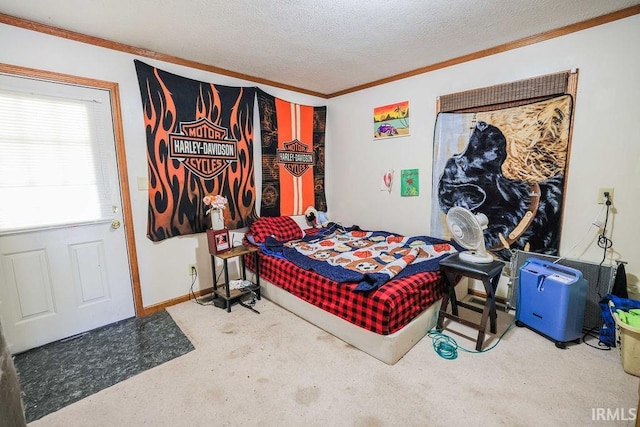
(222, 291)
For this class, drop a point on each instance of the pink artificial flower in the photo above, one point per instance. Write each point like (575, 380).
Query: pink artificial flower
(215, 202)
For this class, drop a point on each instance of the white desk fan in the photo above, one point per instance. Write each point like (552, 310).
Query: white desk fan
(466, 229)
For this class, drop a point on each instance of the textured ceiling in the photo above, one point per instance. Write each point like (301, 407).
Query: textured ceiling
(322, 46)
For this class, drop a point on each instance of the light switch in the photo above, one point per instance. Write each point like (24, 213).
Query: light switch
(143, 183)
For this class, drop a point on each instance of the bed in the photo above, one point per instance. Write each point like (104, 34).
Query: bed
(382, 317)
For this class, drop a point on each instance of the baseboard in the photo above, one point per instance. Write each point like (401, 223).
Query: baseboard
(162, 305)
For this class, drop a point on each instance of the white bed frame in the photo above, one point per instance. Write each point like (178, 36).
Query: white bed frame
(386, 348)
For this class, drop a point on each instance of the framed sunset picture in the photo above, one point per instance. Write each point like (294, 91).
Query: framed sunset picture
(391, 121)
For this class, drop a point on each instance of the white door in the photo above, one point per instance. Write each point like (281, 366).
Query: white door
(64, 267)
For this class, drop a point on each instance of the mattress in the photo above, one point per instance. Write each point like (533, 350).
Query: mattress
(383, 311)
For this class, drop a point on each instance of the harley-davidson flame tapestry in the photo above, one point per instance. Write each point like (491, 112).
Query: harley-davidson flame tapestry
(199, 143)
(292, 156)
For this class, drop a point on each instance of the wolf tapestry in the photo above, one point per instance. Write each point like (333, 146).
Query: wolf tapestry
(508, 164)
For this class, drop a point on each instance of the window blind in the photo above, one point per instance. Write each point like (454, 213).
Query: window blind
(506, 95)
(51, 159)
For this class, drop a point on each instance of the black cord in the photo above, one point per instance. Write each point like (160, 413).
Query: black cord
(590, 333)
(249, 300)
(192, 293)
(604, 242)
(193, 281)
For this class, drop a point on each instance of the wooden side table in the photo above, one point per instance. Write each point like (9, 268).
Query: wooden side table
(489, 274)
(222, 291)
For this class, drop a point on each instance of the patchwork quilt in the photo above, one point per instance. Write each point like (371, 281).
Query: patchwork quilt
(369, 258)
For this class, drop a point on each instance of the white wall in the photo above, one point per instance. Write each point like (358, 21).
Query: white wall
(163, 266)
(605, 150)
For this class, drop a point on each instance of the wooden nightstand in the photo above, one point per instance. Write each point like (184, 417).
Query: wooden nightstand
(489, 274)
(231, 296)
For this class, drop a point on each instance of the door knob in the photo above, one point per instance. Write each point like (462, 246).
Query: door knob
(115, 224)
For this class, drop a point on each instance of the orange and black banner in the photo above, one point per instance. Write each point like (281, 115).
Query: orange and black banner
(292, 156)
(199, 143)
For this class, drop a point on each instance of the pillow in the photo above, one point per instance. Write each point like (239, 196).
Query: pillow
(282, 228)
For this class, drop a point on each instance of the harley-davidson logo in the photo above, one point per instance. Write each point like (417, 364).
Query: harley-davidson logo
(203, 147)
(296, 157)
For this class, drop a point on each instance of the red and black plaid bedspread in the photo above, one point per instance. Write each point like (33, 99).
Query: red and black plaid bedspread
(383, 311)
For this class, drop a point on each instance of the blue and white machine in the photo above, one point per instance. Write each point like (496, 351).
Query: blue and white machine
(551, 300)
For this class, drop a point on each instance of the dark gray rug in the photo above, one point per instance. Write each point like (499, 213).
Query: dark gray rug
(58, 374)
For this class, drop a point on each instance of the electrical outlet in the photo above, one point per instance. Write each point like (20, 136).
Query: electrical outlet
(601, 198)
(192, 270)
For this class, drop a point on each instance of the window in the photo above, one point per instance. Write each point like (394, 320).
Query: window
(52, 137)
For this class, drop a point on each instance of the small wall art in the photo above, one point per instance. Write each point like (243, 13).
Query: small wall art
(387, 181)
(409, 183)
(391, 121)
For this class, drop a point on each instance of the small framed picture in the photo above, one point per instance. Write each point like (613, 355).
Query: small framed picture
(218, 241)
(391, 121)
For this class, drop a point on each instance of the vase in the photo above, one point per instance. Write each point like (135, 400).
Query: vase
(217, 219)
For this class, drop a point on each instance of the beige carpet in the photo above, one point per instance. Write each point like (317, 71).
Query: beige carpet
(276, 369)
